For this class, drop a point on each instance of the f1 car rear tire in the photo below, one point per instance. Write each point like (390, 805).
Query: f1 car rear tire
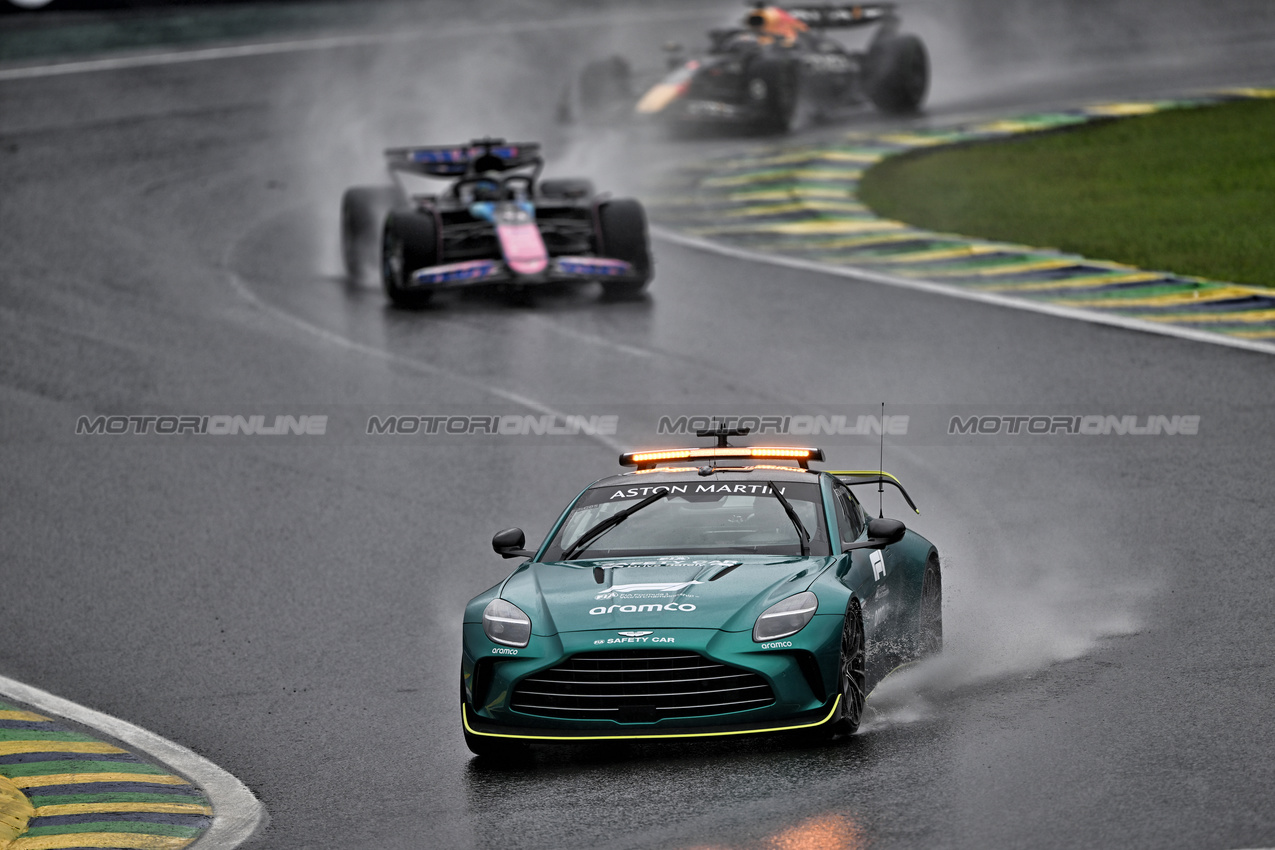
(773, 85)
(603, 87)
(622, 236)
(898, 73)
(363, 211)
(930, 636)
(851, 673)
(410, 242)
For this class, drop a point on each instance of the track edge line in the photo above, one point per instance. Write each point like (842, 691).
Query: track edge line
(237, 814)
(869, 276)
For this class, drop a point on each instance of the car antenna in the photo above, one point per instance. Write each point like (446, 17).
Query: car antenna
(881, 468)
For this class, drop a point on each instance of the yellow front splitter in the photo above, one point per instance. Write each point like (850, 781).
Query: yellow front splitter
(464, 717)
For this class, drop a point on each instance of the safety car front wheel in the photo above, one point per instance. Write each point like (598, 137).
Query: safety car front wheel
(930, 634)
(851, 673)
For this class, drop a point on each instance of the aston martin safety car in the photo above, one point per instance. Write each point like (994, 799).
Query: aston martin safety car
(781, 63)
(496, 223)
(709, 592)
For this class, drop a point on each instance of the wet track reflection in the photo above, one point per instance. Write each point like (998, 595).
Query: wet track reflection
(292, 611)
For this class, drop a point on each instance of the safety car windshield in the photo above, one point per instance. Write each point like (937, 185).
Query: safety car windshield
(700, 517)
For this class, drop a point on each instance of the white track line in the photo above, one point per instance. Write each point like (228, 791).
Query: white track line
(241, 288)
(305, 45)
(116, 63)
(237, 814)
(870, 276)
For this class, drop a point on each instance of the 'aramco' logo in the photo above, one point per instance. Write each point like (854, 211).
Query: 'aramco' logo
(651, 608)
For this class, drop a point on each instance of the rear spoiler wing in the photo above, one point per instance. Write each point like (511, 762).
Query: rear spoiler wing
(836, 17)
(855, 477)
(479, 156)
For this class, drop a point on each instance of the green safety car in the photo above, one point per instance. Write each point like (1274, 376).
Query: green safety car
(711, 592)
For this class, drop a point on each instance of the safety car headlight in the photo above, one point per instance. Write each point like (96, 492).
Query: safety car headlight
(786, 618)
(505, 623)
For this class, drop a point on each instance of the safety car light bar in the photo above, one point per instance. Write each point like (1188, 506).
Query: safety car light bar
(647, 460)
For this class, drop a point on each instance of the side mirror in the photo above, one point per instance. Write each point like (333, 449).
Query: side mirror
(509, 543)
(881, 532)
(886, 530)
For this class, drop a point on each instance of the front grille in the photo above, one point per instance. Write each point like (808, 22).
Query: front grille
(635, 685)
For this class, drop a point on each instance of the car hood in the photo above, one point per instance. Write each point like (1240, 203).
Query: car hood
(716, 592)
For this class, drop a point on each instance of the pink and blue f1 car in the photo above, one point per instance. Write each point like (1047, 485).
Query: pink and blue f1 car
(496, 224)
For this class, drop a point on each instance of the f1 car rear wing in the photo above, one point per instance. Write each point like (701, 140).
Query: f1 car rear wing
(855, 477)
(835, 17)
(478, 157)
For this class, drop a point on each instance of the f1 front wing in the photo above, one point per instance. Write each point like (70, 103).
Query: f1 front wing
(558, 270)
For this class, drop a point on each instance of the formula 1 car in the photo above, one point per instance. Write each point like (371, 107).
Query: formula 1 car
(497, 223)
(763, 75)
(735, 591)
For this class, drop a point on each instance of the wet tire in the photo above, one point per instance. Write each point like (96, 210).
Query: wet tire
(622, 236)
(772, 85)
(930, 627)
(851, 679)
(603, 89)
(410, 242)
(851, 673)
(898, 74)
(363, 211)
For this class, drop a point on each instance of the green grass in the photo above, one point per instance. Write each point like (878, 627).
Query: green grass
(1190, 191)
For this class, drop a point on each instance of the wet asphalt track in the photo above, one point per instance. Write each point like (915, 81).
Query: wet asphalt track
(291, 610)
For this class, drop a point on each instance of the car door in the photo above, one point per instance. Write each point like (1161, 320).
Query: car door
(883, 597)
(850, 527)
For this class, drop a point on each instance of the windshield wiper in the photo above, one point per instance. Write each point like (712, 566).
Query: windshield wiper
(609, 523)
(803, 536)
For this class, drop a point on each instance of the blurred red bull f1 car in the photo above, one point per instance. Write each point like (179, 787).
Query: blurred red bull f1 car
(781, 65)
(496, 224)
